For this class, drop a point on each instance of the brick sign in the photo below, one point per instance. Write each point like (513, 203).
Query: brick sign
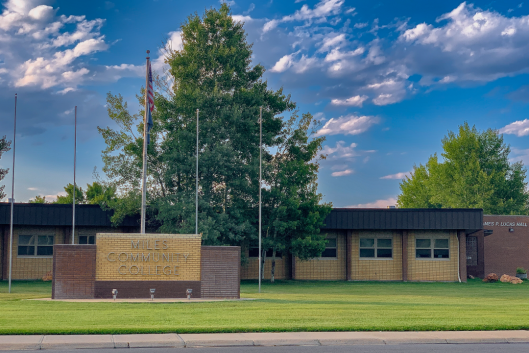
(153, 257)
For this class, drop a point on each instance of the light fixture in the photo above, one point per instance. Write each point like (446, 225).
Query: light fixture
(511, 230)
(189, 292)
(114, 293)
(152, 293)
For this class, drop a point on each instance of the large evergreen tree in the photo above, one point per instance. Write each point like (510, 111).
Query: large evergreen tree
(213, 73)
(475, 173)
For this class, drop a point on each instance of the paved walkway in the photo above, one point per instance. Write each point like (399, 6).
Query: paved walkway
(258, 339)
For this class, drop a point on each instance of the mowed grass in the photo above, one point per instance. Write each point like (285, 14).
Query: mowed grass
(283, 306)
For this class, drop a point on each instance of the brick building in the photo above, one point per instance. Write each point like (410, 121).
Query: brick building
(364, 244)
(385, 245)
(37, 227)
(500, 247)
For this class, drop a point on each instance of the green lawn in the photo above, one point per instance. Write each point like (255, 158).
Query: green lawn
(284, 306)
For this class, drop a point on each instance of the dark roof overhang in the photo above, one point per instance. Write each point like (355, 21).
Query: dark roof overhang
(32, 214)
(467, 219)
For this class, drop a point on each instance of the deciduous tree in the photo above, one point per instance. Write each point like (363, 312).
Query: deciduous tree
(475, 173)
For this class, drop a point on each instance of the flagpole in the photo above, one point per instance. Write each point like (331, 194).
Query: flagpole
(74, 164)
(260, 178)
(12, 199)
(144, 175)
(196, 187)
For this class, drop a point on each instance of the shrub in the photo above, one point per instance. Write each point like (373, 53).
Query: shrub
(521, 270)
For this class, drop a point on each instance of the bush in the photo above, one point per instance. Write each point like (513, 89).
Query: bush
(521, 270)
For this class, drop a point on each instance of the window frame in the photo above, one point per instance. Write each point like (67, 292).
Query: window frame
(375, 247)
(36, 246)
(88, 236)
(432, 248)
(335, 248)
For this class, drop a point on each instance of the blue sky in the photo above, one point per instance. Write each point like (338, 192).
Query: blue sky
(388, 79)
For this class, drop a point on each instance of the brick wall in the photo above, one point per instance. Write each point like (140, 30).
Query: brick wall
(221, 271)
(73, 271)
(148, 257)
(383, 269)
(433, 269)
(324, 268)
(33, 267)
(504, 250)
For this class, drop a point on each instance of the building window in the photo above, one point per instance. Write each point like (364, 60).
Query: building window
(87, 239)
(330, 248)
(375, 248)
(35, 245)
(254, 252)
(432, 248)
(472, 251)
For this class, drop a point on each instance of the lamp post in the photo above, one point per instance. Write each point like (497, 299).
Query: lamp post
(12, 199)
(196, 186)
(260, 181)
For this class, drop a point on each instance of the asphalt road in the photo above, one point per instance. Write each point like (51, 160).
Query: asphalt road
(403, 348)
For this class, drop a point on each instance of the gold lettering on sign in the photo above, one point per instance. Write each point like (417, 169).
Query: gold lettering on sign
(108, 257)
(133, 261)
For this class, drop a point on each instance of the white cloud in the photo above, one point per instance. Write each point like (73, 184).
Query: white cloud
(336, 54)
(475, 44)
(242, 18)
(385, 99)
(342, 173)
(392, 201)
(322, 10)
(331, 42)
(518, 128)
(378, 85)
(341, 151)
(32, 189)
(398, 176)
(355, 101)
(31, 32)
(41, 12)
(284, 63)
(466, 44)
(348, 125)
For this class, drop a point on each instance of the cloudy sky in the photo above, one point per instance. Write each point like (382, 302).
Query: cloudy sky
(388, 79)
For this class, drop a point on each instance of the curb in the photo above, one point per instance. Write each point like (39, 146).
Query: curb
(173, 340)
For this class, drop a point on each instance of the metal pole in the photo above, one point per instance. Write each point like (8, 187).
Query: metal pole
(144, 177)
(260, 181)
(196, 187)
(12, 199)
(74, 184)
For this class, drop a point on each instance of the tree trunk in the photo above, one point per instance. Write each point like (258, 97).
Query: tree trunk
(263, 256)
(273, 266)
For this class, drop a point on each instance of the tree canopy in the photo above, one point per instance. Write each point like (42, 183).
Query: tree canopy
(475, 173)
(213, 73)
(4, 147)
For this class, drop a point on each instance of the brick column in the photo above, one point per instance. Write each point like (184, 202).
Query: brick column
(462, 237)
(405, 255)
(348, 253)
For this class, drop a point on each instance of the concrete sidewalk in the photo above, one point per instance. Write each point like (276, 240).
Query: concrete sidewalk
(35, 342)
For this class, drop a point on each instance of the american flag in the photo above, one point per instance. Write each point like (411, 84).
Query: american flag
(150, 102)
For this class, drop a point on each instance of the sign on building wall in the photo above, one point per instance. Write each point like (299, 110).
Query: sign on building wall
(140, 257)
